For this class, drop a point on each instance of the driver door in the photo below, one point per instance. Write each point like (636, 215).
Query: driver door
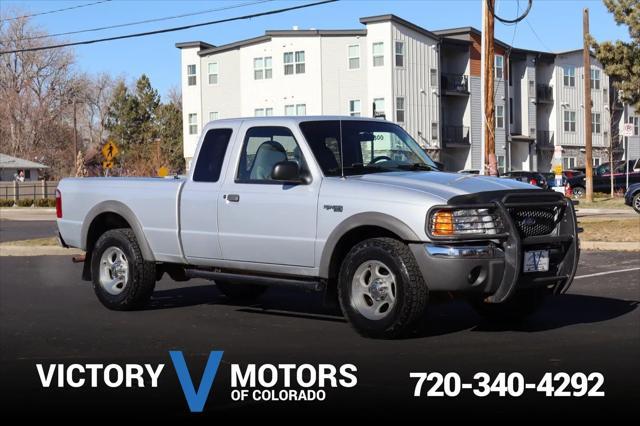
(262, 220)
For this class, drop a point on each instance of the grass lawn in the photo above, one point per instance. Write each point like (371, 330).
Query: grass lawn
(608, 229)
(50, 241)
(603, 201)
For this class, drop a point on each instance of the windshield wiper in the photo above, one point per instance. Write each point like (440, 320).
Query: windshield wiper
(416, 166)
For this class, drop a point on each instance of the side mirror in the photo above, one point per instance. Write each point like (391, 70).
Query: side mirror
(286, 171)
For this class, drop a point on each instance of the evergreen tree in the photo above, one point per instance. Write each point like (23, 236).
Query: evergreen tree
(621, 60)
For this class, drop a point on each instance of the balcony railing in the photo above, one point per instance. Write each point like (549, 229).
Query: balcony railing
(458, 83)
(545, 138)
(455, 135)
(544, 93)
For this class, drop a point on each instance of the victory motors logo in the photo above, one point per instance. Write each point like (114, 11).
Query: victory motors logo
(257, 382)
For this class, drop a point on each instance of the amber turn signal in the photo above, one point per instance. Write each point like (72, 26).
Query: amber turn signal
(442, 223)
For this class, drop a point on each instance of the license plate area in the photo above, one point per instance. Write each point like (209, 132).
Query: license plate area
(536, 261)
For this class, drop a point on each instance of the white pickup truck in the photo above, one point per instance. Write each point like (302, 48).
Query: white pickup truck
(346, 205)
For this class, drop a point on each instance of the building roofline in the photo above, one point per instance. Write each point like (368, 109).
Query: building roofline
(269, 34)
(445, 33)
(396, 19)
(11, 162)
(190, 44)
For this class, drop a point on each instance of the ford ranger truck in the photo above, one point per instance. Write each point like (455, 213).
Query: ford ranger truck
(347, 205)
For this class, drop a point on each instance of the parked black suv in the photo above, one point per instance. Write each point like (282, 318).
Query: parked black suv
(602, 178)
(534, 178)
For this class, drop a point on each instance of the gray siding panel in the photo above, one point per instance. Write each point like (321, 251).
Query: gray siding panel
(476, 122)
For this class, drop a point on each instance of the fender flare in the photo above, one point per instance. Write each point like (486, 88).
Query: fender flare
(381, 220)
(120, 209)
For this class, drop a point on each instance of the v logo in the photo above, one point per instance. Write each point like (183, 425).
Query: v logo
(196, 399)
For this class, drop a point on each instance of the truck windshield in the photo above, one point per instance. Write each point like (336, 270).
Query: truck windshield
(367, 147)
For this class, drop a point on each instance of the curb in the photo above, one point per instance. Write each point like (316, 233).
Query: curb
(609, 245)
(15, 250)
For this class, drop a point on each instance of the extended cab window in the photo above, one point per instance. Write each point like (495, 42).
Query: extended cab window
(263, 148)
(214, 147)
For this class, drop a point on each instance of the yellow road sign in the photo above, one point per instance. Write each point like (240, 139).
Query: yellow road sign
(110, 151)
(107, 164)
(557, 169)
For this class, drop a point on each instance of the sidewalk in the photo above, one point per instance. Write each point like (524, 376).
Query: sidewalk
(27, 213)
(614, 213)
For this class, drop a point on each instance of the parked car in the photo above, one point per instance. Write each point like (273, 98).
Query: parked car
(324, 204)
(533, 178)
(572, 173)
(602, 178)
(632, 197)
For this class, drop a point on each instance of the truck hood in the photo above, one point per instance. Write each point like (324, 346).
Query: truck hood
(442, 184)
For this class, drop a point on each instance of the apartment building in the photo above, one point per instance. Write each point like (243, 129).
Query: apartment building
(426, 81)
(389, 70)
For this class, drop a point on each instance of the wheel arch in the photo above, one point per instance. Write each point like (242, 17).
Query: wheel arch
(109, 215)
(357, 228)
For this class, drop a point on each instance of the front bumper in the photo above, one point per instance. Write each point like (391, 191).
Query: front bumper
(494, 266)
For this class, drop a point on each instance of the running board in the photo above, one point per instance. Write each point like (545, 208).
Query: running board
(310, 285)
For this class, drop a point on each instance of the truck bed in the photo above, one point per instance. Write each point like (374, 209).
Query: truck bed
(153, 201)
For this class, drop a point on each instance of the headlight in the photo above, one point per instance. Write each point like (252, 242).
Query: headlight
(449, 222)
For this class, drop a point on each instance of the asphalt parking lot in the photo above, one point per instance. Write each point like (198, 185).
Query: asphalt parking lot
(47, 314)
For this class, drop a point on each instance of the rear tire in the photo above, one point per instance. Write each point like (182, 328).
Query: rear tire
(635, 202)
(122, 279)
(381, 289)
(521, 305)
(246, 292)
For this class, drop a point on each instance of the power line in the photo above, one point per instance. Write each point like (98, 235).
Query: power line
(147, 21)
(538, 37)
(169, 30)
(510, 21)
(55, 10)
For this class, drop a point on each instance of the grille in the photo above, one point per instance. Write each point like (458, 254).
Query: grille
(532, 222)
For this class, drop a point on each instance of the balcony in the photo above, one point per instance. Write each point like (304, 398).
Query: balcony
(545, 139)
(455, 136)
(455, 84)
(544, 94)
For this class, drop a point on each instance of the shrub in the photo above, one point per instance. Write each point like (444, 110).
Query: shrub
(5, 202)
(25, 202)
(45, 202)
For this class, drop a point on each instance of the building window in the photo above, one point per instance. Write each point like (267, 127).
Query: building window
(636, 125)
(501, 163)
(595, 79)
(298, 109)
(354, 57)
(212, 72)
(378, 54)
(399, 54)
(258, 112)
(569, 121)
(191, 75)
(434, 131)
(500, 116)
(434, 77)
(354, 108)
(595, 122)
(510, 110)
(400, 109)
(568, 163)
(569, 76)
(262, 68)
(499, 67)
(193, 124)
(294, 62)
(378, 107)
(532, 89)
(213, 115)
(268, 112)
(596, 161)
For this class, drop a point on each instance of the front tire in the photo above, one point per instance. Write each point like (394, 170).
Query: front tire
(122, 279)
(381, 289)
(521, 305)
(636, 202)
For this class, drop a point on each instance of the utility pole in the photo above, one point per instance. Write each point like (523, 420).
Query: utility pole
(586, 62)
(489, 118)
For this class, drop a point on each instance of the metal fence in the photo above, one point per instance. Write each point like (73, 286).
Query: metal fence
(30, 190)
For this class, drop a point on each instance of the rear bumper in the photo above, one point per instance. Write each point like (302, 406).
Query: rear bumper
(495, 267)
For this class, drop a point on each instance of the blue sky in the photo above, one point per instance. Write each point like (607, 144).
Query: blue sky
(558, 24)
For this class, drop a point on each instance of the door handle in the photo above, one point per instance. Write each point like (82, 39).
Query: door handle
(234, 198)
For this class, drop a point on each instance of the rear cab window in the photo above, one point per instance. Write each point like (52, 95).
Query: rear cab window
(211, 156)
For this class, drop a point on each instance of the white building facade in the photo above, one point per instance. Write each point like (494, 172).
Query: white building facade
(427, 82)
